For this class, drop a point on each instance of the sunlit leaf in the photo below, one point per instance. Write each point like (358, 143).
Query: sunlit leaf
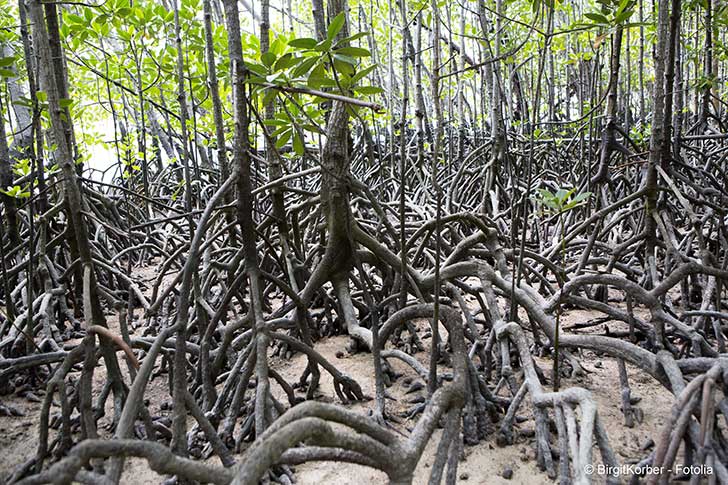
(335, 26)
(303, 43)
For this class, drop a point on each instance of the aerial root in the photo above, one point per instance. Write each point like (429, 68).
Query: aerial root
(695, 401)
(575, 438)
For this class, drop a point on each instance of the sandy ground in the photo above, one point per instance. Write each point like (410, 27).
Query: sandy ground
(481, 464)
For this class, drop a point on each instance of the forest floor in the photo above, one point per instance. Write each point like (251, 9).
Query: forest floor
(484, 463)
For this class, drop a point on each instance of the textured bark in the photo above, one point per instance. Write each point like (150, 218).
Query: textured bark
(6, 181)
(609, 135)
(51, 72)
(241, 160)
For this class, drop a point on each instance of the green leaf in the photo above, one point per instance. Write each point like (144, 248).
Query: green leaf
(354, 51)
(597, 17)
(7, 73)
(7, 61)
(286, 61)
(22, 167)
(317, 82)
(16, 192)
(285, 136)
(305, 67)
(278, 131)
(623, 6)
(268, 58)
(275, 78)
(303, 43)
(621, 17)
(274, 122)
(563, 194)
(278, 46)
(256, 68)
(344, 64)
(368, 90)
(344, 81)
(298, 145)
(312, 128)
(354, 37)
(361, 74)
(76, 19)
(323, 46)
(545, 194)
(335, 26)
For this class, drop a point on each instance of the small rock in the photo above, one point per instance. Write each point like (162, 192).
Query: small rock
(339, 354)
(507, 473)
(598, 364)
(464, 476)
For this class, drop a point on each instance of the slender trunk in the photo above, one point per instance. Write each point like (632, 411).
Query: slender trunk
(403, 158)
(421, 120)
(58, 59)
(51, 70)
(142, 125)
(707, 64)
(609, 136)
(215, 93)
(179, 385)
(435, 159)
(658, 137)
(319, 17)
(667, 142)
(6, 180)
(241, 160)
(205, 371)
